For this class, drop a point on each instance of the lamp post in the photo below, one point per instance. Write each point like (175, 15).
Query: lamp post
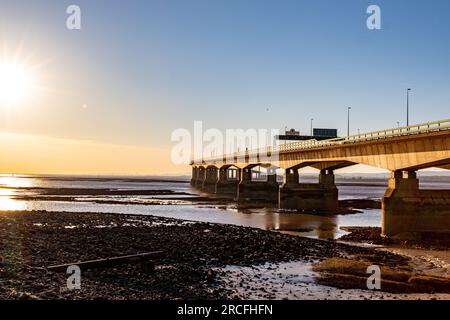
(407, 106)
(348, 121)
(285, 131)
(312, 119)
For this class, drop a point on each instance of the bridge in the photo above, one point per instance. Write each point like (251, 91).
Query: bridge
(407, 210)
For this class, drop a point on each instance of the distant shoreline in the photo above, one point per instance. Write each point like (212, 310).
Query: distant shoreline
(431, 176)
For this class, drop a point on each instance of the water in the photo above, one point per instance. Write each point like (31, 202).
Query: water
(315, 226)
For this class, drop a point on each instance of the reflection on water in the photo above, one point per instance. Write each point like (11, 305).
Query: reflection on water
(317, 226)
(6, 192)
(8, 204)
(15, 181)
(309, 225)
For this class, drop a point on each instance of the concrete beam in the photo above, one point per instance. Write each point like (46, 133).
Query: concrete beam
(399, 153)
(408, 152)
(332, 165)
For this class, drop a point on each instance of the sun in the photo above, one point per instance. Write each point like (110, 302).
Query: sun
(16, 83)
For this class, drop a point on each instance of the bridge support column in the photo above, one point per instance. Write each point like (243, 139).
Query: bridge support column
(194, 176)
(226, 185)
(309, 196)
(411, 213)
(211, 178)
(257, 191)
(201, 175)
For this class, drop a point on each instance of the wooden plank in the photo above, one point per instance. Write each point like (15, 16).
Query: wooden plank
(141, 258)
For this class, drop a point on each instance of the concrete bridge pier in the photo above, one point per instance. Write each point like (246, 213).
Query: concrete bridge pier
(309, 196)
(412, 213)
(194, 176)
(211, 178)
(250, 191)
(201, 175)
(226, 184)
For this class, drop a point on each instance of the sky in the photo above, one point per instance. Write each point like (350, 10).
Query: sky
(107, 97)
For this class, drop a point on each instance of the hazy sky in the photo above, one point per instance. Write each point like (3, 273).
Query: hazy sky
(140, 69)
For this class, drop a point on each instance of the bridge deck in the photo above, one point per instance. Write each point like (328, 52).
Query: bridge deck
(417, 146)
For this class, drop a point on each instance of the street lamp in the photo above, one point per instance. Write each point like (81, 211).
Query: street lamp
(285, 137)
(348, 121)
(312, 119)
(407, 106)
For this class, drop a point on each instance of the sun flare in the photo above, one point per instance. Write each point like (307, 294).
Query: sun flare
(16, 83)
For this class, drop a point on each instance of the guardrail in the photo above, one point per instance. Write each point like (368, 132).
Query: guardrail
(362, 137)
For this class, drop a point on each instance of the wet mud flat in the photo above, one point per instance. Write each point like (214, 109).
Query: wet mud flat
(335, 279)
(372, 235)
(164, 197)
(195, 255)
(114, 196)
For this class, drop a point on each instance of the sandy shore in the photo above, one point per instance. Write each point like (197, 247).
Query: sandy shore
(194, 255)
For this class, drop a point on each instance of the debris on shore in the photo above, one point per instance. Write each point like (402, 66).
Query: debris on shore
(32, 240)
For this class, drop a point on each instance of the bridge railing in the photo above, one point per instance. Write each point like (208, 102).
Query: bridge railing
(362, 137)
